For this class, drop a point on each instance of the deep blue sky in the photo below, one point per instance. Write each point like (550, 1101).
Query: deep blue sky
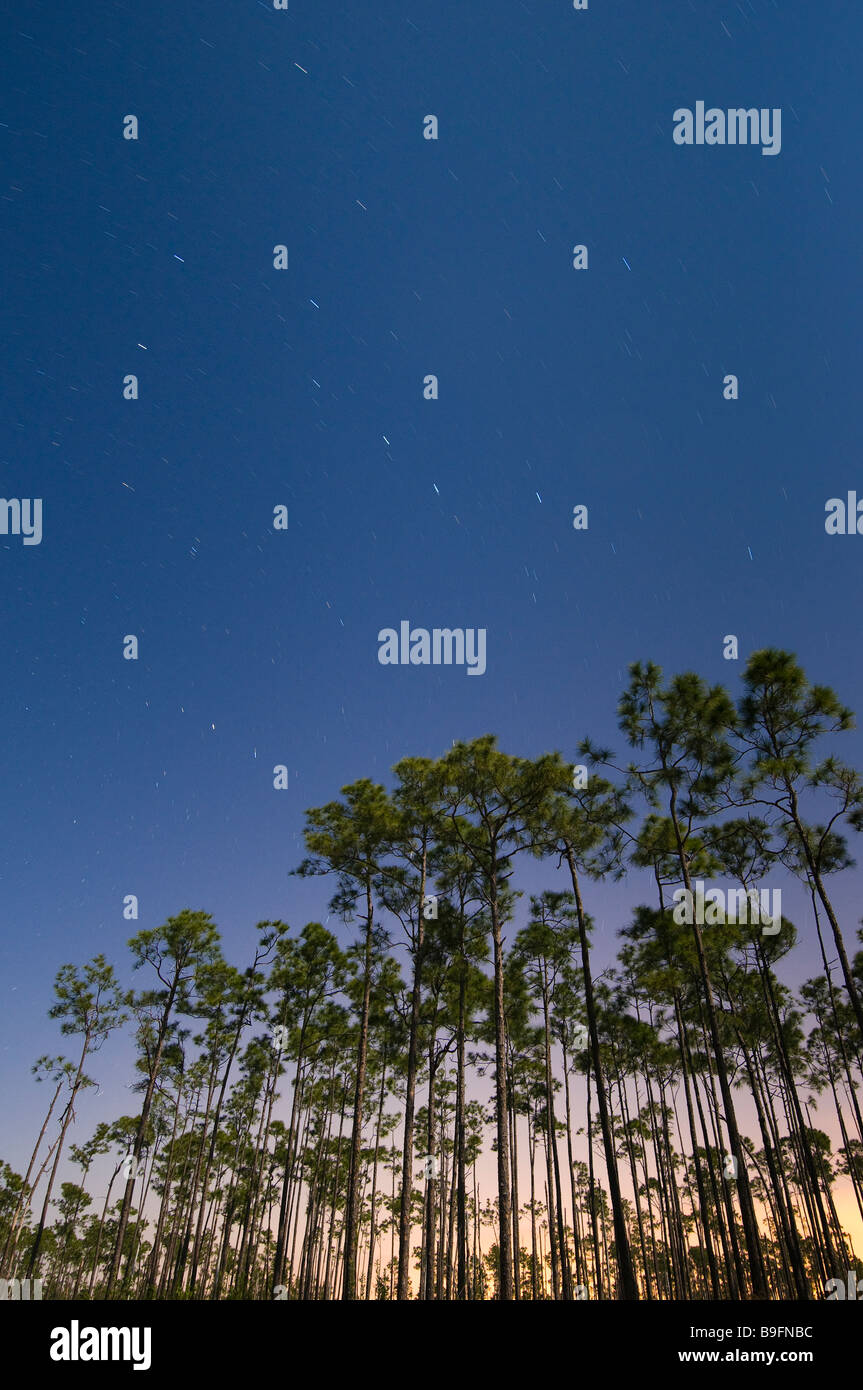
(261, 387)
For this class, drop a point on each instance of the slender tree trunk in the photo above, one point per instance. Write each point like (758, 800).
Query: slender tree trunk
(703, 1204)
(461, 1138)
(505, 1290)
(410, 1102)
(815, 872)
(628, 1282)
(600, 1294)
(571, 1163)
(140, 1135)
(372, 1232)
(747, 1208)
(351, 1210)
(17, 1217)
(68, 1114)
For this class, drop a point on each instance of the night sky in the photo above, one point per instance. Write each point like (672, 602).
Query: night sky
(303, 387)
